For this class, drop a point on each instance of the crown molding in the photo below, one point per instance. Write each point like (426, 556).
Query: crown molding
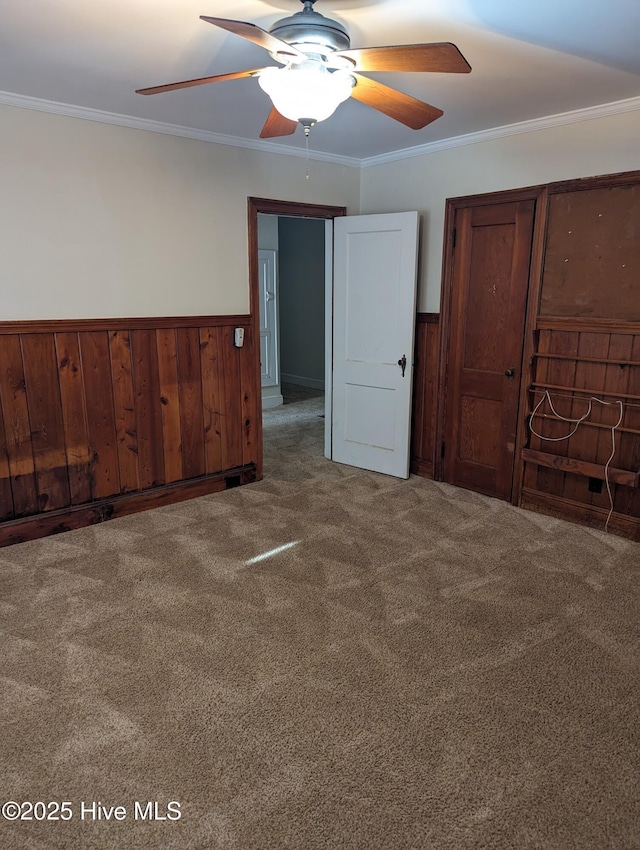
(70, 111)
(603, 110)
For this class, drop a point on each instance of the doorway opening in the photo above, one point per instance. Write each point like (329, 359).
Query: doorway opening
(291, 254)
(286, 240)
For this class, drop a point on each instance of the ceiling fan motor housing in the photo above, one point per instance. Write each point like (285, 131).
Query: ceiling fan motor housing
(310, 28)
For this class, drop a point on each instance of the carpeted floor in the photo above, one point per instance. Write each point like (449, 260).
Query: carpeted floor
(329, 659)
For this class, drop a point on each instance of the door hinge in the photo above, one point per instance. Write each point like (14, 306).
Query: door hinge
(453, 237)
(442, 450)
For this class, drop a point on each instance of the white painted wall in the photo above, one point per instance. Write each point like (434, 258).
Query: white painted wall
(301, 269)
(268, 232)
(100, 221)
(598, 146)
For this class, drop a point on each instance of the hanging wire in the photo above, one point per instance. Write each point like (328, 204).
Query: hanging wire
(577, 423)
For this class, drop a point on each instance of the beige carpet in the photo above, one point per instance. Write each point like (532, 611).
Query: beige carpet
(422, 667)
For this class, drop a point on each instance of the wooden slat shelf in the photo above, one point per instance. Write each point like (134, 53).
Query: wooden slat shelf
(585, 325)
(540, 387)
(578, 359)
(581, 467)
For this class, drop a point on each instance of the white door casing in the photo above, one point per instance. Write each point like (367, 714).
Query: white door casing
(269, 365)
(374, 303)
(328, 336)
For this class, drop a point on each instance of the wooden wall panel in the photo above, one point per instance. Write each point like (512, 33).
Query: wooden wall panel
(592, 257)
(251, 400)
(98, 420)
(46, 422)
(101, 425)
(146, 380)
(211, 399)
(7, 510)
(423, 427)
(190, 393)
(170, 403)
(627, 500)
(13, 395)
(74, 416)
(231, 395)
(124, 410)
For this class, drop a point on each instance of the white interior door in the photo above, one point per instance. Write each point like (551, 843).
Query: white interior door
(374, 304)
(269, 366)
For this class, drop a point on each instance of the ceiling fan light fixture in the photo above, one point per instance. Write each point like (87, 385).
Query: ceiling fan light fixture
(306, 91)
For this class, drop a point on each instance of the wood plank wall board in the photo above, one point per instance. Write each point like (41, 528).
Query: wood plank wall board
(170, 403)
(146, 382)
(423, 429)
(634, 422)
(124, 408)
(6, 494)
(418, 415)
(211, 399)
(101, 424)
(46, 421)
(231, 395)
(190, 395)
(13, 396)
(74, 416)
(251, 399)
(627, 501)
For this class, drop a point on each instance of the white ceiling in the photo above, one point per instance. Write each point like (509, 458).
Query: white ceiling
(530, 58)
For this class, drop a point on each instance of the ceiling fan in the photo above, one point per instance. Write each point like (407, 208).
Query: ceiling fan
(321, 71)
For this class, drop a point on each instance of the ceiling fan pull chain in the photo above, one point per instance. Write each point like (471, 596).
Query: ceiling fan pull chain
(306, 144)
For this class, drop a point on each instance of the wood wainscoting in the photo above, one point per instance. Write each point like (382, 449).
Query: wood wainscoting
(425, 395)
(100, 418)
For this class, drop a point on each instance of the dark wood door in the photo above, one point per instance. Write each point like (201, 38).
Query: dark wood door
(487, 315)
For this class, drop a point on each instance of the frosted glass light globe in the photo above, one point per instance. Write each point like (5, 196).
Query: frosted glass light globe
(306, 91)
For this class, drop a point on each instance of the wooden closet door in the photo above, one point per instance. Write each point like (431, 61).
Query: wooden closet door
(488, 304)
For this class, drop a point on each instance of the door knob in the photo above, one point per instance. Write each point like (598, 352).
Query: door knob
(403, 362)
(510, 372)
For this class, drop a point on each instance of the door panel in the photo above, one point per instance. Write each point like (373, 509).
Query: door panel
(488, 304)
(374, 322)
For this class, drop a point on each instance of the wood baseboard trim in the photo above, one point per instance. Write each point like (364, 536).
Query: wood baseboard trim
(591, 515)
(428, 318)
(421, 467)
(68, 519)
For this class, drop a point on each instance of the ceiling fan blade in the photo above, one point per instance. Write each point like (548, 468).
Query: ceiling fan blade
(277, 125)
(199, 82)
(442, 57)
(253, 33)
(402, 107)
